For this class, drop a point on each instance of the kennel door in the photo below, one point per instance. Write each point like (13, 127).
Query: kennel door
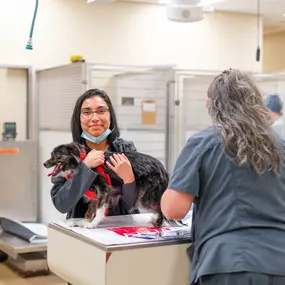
(141, 106)
(58, 90)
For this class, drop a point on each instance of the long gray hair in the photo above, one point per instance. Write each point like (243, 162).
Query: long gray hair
(244, 123)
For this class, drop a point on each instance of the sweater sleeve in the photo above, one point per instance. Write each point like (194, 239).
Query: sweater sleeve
(129, 191)
(66, 194)
(129, 195)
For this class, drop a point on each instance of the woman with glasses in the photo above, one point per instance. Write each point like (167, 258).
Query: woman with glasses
(94, 125)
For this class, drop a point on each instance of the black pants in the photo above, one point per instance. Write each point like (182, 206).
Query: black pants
(242, 278)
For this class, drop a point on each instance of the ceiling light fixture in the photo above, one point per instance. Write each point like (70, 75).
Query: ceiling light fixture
(189, 11)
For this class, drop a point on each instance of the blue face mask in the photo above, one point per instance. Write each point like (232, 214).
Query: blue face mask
(96, 140)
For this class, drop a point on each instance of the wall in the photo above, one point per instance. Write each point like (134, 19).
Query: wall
(274, 52)
(119, 33)
(13, 98)
(124, 33)
(47, 212)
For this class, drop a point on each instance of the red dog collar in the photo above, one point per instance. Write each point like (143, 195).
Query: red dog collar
(82, 153)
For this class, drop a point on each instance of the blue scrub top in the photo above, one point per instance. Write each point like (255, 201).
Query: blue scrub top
(240, 223)
(278, 126)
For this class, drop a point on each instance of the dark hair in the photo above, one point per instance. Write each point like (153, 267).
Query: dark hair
(75, 124)
(239, 114)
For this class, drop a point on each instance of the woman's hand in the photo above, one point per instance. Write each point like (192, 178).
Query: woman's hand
(94, 158)
(122, 167)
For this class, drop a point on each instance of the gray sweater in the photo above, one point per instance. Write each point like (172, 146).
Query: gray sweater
(67, 195)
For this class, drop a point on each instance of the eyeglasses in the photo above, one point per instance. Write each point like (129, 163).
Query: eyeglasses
(100, 112)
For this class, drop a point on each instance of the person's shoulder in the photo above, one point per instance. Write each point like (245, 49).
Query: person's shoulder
(121, 145)
(204, 139)
(281, 142)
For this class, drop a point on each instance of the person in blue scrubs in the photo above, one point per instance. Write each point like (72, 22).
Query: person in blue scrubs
(275, 105)
(234, 173)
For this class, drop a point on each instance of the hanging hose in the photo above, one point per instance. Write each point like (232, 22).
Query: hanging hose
(29, 45)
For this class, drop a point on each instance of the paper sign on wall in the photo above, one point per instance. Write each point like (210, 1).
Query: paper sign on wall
(149, 107)
(149, 112)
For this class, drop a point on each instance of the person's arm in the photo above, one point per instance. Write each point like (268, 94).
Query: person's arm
(129, 195)
(184, 185)
(129, 190)
(66, 194)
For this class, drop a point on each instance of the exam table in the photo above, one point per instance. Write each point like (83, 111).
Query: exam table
(104, 257)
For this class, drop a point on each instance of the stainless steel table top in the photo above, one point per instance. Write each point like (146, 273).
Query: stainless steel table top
(107, 248)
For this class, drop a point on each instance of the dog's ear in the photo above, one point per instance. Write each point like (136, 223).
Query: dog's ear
(75, 156)
(73, 147)
(69, 147)
(76, 144)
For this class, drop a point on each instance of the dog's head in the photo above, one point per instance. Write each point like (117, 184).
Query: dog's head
(64, 157)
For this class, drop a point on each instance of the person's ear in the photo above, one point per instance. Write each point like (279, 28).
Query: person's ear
(208, 101)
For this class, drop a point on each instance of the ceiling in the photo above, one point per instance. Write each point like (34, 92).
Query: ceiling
(271, 10)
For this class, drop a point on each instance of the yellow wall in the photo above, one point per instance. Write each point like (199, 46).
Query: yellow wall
(274, 52)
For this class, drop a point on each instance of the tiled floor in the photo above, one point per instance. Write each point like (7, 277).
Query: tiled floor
(8, 277)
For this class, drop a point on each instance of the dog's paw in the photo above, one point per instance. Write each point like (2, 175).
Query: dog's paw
(88, 226)
(77, 224)
(155, 224)
(73, 224)
(91, 226)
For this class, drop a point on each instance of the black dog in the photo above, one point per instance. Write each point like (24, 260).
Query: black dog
(150, 175)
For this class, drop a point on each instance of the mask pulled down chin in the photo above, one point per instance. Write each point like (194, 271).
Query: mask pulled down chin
(98, 139)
